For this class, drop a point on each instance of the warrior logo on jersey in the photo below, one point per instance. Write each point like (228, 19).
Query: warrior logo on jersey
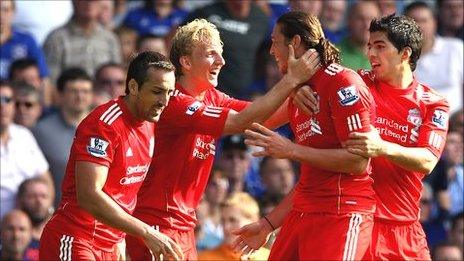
(440, 118)
(348, 95)
(193, 108)
(97, 147)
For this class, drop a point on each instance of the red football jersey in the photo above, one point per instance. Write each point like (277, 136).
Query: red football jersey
(109, 136)
(184, 154)
(345, 106)
(413, 117)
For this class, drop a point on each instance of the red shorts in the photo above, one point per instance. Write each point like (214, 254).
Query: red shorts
(137, 250)
(56, 245)
(323, 236)
(398, 241)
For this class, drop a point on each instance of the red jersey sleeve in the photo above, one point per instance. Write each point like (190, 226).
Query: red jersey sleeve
(352, 105)
(234, 104)
(95, 141)
(432, 133)
(184, 113)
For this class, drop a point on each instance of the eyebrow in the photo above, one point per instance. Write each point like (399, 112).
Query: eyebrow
(379, 41)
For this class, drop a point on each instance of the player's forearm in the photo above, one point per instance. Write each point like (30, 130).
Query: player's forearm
(105, 210)
(414, 159)
(262, 108)
(338, 160)
(277, 215)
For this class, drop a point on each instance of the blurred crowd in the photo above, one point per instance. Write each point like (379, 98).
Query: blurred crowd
(58, 63)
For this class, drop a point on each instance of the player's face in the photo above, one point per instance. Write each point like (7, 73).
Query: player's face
(385, 59)
(279, 49)
(232, 218)
(206, 62)
(153, 95)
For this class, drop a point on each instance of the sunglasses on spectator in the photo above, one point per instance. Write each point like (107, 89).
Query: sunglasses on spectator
(26, 104)
(111, 82)
(5, 99)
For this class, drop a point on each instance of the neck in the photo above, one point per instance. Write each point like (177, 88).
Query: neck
(4, 134)
(428, 45)
(86, 25)
(37, 230)
(402, 79)
(73, 118)
(131, 104)
(5, 33)
(193, 88)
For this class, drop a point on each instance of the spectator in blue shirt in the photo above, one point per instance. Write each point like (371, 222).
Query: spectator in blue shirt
(15, 44)
(157, 17)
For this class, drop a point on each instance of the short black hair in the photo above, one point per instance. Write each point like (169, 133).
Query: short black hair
(21, 64)
(402, 32)
(139, 66)
(71, 74)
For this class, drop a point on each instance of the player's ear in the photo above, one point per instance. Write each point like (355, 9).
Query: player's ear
(185, 62)
(406, 53)
(296, 41)
(133, 87)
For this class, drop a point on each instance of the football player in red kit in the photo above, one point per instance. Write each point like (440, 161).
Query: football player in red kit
(196, 117)
(329, 214)
(109, 159)
(411, 123)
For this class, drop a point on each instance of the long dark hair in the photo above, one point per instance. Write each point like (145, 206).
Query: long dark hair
(309, 29)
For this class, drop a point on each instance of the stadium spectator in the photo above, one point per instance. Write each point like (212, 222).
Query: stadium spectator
(110, 77)
(188, 129)
(451, 18)
(456, 234)
(15, 235)
(447, 251)
(243, 27)
(433, 227)
(387, 7)
(20, 156)
(128, 39)
(151, 42)
(277, 176)
(75, 91)
(109, 159)
(157, 17)
(106, 14)
(316, 206)
(82, 42)
(235, 160)
(36, 201)
(28, 19)
(353, 47)
(457, 121)
(441, 63)
(238, 210)
(333, 20)
(215, 194)
(28, 105)
(454, 155)
(311, 7)
(15, 44)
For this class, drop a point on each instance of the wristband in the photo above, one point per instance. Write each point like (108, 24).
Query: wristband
(270, 224)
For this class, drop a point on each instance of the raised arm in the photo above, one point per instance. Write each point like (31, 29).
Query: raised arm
(90, 179)
(299, 71)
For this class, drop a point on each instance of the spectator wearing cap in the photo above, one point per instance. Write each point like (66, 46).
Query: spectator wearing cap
(75, 91)
(28, 105)
(235, 161)
(20, 156)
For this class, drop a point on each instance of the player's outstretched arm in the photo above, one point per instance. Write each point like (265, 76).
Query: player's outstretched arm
(299, 71)
(90, 179)
(253, 236)
(370, 144)
(277, 146)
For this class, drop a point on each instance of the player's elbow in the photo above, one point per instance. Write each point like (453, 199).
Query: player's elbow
(427, 167)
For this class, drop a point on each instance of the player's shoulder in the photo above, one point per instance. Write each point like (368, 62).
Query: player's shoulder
(106, 115)
(430, 97)
(339, 74)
